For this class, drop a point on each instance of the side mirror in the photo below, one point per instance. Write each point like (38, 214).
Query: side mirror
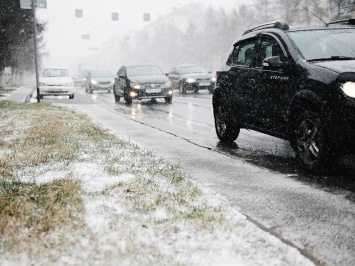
(274, 62)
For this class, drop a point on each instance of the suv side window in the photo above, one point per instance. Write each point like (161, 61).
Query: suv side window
(242, 53)
(269, 47)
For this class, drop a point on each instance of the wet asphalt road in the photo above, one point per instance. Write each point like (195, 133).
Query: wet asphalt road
(258, 174)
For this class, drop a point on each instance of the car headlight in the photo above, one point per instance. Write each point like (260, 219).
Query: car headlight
(135, 85)
(348, 88)
(167, 84)
(93, 82)
(112, 81)
(213, 79)
(190, 80)
(69, 84)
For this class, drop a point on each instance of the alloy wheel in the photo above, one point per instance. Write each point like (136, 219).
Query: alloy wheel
(308, 141)
(220, 118)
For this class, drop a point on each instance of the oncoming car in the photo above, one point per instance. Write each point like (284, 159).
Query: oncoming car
(56, 81)
(142, 82)
(191, 78)
(99, 81)
(295, 83)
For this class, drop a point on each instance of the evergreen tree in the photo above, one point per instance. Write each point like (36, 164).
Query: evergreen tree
(16, 36)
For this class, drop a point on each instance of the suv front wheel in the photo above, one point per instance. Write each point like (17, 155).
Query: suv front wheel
(311, 142)
(225, 129)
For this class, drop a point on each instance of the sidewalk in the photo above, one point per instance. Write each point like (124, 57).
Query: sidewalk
(22, 94)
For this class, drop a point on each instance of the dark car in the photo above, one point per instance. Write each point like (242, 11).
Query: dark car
(191, 78)
(295, 83)
(99, 81)
(142, 82)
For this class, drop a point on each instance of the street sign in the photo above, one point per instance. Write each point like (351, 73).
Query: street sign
(27, 4)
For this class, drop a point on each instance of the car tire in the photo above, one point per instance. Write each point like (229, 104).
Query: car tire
(117, 98)
(311, 142)
(40, 96)
(168, 99)
(71, 96)
(182, 89)
(226, 130)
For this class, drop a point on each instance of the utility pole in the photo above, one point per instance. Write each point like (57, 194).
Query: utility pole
(35, 47)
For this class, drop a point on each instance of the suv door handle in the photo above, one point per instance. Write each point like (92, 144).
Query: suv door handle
(252, 82)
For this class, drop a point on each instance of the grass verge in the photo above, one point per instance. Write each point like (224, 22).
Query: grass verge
(72, 193)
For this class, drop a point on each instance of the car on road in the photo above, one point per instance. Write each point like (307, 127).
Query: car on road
(142, 82)
(56, 81)
(77, 80)
(99, 81)
(191, 78)
(295, 83)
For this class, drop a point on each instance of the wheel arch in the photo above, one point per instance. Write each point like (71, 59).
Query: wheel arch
(305, 100)
(218, 95)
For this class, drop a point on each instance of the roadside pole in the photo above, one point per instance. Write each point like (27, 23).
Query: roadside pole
(33, 4)
(35, 47)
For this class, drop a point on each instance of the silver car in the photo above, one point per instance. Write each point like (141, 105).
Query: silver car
(99, 81)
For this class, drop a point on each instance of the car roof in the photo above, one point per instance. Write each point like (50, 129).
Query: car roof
(188, 65)
(141, 65)
(282, 26)
(56, 67)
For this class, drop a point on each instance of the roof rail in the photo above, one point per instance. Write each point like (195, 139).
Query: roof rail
(350, 21)
(275, 24)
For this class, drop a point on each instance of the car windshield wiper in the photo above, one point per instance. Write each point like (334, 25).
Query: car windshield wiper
(335, 57)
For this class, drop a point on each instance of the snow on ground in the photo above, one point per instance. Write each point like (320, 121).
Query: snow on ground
(238, 242)
(144, 217)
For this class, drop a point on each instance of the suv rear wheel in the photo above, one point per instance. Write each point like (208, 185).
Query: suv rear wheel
(225, 129)
(311, 142)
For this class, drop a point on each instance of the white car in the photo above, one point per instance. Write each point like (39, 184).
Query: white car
(56, 81)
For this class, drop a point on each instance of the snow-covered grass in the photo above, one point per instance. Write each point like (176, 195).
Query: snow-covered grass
(71, 193)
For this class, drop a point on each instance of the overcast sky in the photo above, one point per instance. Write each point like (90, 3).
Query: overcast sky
(63, 36)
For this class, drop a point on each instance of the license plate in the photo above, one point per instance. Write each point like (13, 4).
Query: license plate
(204, 84)
(152, 90)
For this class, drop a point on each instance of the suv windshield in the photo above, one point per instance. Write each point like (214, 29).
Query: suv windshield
(143, 70)
(325, 44)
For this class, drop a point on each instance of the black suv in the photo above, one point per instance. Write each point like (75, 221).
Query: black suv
(295, 83)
